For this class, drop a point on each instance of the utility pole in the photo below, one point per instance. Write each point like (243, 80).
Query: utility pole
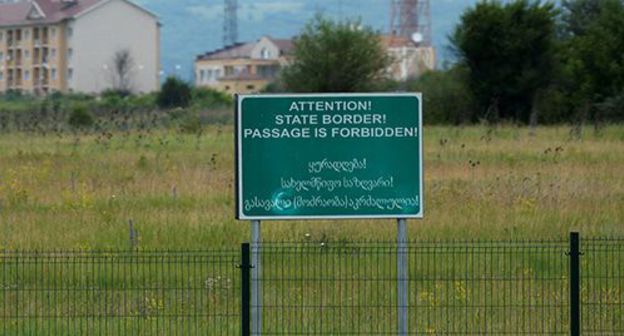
(230, 22)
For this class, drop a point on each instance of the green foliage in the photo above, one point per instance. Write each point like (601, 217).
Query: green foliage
(80, 117)
(578, 16)
(447, 98)
(593, 58)
(174, 93)
(207, 97)
(509, 52)
(115, 93)
(335, 57)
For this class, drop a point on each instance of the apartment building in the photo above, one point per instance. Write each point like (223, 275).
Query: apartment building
(70, 45)
(243, 67)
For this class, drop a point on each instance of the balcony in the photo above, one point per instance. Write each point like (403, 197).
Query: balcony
(41, 82)
(14, 83)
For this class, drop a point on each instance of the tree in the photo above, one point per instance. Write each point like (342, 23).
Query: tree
(121, 74)
(509, 52)
(174, 93)
(593, 58)
(336, 57)
(578, 15)
(447, 99)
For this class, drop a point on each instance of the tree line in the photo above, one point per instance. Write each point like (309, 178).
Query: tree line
(517, 61)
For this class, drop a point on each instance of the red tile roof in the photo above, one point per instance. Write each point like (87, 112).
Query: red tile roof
(16, 14)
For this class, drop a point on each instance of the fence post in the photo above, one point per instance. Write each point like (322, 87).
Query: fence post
(402, 273)
(575, 285)
(256, 287)
(245, 267)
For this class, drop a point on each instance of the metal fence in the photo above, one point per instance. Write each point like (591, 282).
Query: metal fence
(120, 293)
(602, 287)
(453, 289)
(314, 288)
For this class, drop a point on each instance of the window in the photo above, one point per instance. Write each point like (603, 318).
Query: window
(250, 87)
(265, 53)
(26, 54)
(53, 32)
(53, 73)
(70, 73)
(26, 75)
(1, 56)
(70, 54)
(53, 53)
(70, 31)
(1, 75)
(26, 34)
(202, 76)
(1, 36)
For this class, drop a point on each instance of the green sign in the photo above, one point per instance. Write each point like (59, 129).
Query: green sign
(329, 156)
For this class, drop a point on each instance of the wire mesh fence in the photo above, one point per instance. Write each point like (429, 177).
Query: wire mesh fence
(314, 288)
(119, 293)
(453, 288)
(602, 287)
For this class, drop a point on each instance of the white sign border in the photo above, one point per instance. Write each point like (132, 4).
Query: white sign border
(240, 215)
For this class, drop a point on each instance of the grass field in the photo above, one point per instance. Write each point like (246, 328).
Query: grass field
(80, 191)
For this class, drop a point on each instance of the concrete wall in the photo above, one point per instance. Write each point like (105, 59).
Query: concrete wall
(270, 50)
(411, 62)
(98, 34)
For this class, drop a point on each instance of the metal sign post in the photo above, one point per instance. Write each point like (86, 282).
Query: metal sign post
(402, 275)
(329, 156)
(256, 294)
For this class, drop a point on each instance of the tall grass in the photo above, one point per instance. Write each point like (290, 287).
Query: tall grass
(79, 191)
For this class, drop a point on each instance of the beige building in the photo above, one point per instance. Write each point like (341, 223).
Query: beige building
(70, 46)
(250, 67)
(409, 58)
(243, 67)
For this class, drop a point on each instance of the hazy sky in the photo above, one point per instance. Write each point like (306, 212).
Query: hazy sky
(191, 27)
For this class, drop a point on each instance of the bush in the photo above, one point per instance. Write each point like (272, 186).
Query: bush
(116, 92)
(206, 97)
(80, 117)
(447, 99)
(174, 93)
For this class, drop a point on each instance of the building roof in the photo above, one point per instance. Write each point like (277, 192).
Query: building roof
(243, 50)
(284, 45)
(237, 50)
(49, 11)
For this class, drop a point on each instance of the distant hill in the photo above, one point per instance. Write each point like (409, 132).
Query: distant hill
(191, 27)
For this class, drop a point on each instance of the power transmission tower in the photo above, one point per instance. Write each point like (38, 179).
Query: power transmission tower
(411, 19)
(230, 22)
